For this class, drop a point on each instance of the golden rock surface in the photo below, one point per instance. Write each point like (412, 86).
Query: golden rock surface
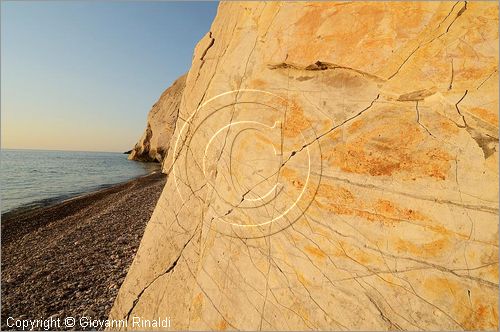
(334, 166)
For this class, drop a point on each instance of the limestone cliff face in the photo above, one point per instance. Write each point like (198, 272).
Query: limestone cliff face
(333, 166)
(154, 143)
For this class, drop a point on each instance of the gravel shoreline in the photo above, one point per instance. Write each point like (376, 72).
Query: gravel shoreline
(69, 259)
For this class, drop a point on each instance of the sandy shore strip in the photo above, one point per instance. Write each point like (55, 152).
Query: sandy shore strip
(69, 259)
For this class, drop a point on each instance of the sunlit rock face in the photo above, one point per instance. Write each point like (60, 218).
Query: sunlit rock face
(334, 166)
(154, 143)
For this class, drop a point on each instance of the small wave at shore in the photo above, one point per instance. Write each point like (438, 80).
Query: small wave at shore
(35, 178)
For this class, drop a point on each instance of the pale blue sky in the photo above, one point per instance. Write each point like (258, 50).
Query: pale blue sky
(83, 75)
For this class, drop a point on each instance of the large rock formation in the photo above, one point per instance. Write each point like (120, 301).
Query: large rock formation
(334, 166)
(154, 143)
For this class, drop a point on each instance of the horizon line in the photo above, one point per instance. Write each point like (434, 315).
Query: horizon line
(61, 150)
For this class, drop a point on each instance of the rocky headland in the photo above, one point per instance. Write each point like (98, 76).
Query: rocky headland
(154, 143)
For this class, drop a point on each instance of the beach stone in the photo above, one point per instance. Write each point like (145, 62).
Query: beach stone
(89, 313)
(334, 166)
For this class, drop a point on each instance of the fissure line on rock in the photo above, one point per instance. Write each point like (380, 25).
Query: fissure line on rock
(331, 129)
(212, 42)
(487, 78)
(452, 74)
(406, 60)
(418, 120)
(460, 113)
(293, 153)
(168, 270)
(322, 66)
(449, 13)
(460, 12)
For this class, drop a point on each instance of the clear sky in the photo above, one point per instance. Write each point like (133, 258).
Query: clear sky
(83, 75)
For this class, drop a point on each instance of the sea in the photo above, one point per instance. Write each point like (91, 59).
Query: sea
(34, 178)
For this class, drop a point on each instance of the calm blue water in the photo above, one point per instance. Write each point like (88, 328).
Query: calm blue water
(30, 178)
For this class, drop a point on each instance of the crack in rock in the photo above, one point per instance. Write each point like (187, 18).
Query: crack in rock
(168, 270)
